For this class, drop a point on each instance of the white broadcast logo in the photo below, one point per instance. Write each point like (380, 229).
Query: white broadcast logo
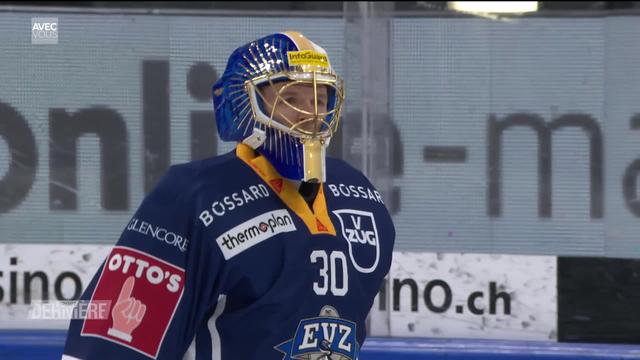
(44, 30)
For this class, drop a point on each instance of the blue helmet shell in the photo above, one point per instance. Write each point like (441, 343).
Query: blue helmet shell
(235, 118)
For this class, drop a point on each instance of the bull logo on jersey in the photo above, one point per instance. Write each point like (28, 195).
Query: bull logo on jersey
(359, 229)
(326, 337)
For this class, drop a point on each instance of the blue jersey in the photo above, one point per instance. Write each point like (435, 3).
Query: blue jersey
(224, 259)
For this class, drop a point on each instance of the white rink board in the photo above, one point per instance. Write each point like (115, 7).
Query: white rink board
(58, 262)
(529, 282)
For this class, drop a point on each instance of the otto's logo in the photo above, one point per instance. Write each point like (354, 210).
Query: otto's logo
(359, 229)
(140, 268)
(127, 313)
(323, 337)
(254, 231)
(144, 292)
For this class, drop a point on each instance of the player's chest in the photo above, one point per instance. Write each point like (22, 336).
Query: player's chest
(272, 246)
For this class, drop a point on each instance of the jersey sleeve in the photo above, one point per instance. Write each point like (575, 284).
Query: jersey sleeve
(157, 285)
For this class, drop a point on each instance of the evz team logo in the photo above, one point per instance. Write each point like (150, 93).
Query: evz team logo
(326, 337)
(359, 229)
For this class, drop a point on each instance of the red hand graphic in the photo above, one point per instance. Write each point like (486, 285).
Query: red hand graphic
(127, 313)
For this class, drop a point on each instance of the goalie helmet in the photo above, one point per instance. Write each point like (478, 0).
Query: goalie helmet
(280, 95)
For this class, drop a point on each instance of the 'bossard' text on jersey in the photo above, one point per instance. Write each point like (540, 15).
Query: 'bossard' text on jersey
(225, 260)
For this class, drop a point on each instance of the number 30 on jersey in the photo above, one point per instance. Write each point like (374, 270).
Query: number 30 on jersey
(334, 277)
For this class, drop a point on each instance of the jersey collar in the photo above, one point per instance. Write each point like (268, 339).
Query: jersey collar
(318, 221)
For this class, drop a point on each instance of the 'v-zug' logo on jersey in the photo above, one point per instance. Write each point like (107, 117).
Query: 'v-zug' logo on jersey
(359, 229)
(324, 337)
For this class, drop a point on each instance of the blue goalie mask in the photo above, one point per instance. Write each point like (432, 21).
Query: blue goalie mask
(280, 95)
